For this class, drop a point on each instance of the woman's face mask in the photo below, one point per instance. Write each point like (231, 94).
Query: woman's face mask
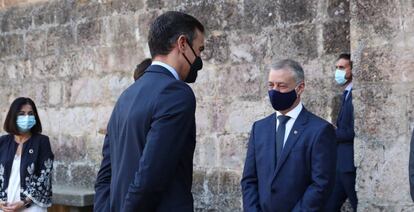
(25, 122)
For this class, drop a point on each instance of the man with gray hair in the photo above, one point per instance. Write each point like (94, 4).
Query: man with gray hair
(290, 162)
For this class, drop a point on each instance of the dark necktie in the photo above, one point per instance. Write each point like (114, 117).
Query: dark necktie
(280, 134)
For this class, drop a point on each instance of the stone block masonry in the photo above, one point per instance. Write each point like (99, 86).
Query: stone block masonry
(75, 57)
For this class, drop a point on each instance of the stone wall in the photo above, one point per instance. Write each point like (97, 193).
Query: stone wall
(74, 58)
(382, 43)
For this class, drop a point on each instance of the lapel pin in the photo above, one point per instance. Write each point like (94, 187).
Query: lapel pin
(295, 132)
(31, 151)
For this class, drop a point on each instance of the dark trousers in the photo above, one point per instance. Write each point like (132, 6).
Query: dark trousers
(344, 188)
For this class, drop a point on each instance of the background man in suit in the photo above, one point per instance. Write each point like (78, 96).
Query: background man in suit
(149, 147)
(345, 168)
(290, 162)
(411, 167)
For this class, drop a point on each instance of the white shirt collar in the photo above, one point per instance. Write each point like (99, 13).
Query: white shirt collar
(349, 87)
(168, 67)
(294, 113)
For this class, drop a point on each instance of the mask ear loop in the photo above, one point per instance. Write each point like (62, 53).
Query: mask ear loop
(188, 42)
(191, 50)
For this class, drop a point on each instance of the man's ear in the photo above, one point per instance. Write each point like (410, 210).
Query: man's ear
(301, 88)
(181, 41)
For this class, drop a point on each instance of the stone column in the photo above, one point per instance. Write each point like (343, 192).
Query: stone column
(382, 43)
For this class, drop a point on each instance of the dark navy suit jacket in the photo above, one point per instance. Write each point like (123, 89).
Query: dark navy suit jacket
(303, 178)
(345, 136)
(149, 146)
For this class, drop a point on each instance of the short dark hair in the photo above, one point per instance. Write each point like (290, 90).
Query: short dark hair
(140, 69)
(166, 29)
(10, 125)
(346, 56)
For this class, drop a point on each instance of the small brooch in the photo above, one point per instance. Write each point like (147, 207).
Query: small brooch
(295, 132)
(31, 151)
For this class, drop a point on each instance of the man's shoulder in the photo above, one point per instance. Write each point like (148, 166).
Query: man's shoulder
(314, 120)
(264, 122)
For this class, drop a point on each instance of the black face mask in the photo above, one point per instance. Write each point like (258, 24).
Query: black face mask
(194, 67)
(282, 101)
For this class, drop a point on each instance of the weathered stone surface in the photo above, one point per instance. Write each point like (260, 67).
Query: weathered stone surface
(383, 64)
(242, 114)
(15, 19)
(15, 69)
(36, 42)
(217, 49)
(380, 40)
(11, 45)
(336, 37)
(60, 171)
(116, 59)
(250, 82)
(61, 39)
(319, 102)
(232, 150)
(207, 151)
(45, 67)
(43, 14)
(338, 9)
(250, 48)
(299, 41)
(73, 196)
(89, 33)
(228, 14)
(74, 58)
(55, 93)
(69, 149)
(122, 7)
(217, 191)
(63, 10)
(144, 23)
(259, 14)
(120, 29)
(87, 10)
(83, 176)
(297, 10)
(386, 108)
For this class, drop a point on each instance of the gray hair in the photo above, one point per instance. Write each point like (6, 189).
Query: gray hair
(288, 64)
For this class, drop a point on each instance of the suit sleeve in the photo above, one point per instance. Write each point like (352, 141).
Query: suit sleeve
(323, 162)
(172, 123)
(411, 167)
(249, 179)
(103, 181)
(345, 131)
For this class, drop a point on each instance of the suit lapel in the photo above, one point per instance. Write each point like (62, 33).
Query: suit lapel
(267, 135)
(343, 105)
(295, 132)
(271, 141)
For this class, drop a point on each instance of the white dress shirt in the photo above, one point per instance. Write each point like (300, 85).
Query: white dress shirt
(293, 114)
(168, 67)
(348, 88)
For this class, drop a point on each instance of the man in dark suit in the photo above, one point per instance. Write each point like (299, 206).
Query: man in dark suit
(345, 168)
(148, 150)
(411, 167)
(290, 162)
